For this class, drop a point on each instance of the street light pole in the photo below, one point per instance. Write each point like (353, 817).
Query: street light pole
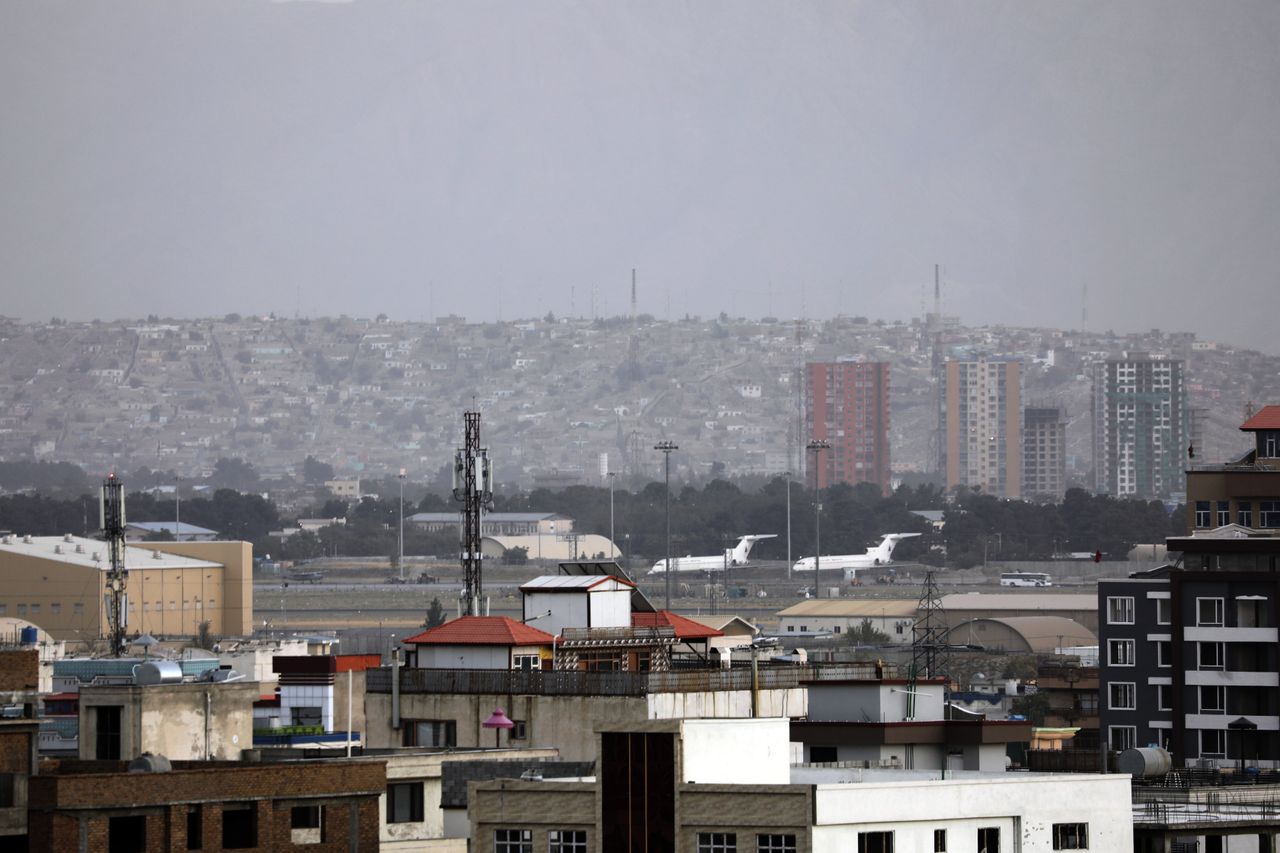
(816, 446)
(666, 447)
(401, 524)
(788, 475)
(611, 476)
(177, 509)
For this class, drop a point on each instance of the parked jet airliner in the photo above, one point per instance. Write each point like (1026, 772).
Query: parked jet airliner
(880, 555)
(735, 556)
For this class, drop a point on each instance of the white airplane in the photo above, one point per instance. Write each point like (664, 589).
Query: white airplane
(880, 555)
(735, 556)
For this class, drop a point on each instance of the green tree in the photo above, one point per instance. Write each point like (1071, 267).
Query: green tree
(435, 614)
(866, 634)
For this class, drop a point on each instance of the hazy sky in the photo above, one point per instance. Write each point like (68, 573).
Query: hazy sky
(419, 158)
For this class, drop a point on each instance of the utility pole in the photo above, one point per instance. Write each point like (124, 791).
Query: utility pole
(401, 524)
(666, 447)
(111, 517)
(788, 475)
(611, 477)
(177, 509)
(473, 486)
(816, 446)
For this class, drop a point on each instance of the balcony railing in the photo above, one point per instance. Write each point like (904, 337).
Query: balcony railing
(608, 683)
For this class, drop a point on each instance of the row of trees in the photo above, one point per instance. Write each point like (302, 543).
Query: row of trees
(703, 521)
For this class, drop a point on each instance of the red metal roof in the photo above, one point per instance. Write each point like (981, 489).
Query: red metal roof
(686, 629)
(1268, 417)
(357, 663)
(481, 631)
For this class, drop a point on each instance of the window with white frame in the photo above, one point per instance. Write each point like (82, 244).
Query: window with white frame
(1164, 611)
(1244, 513)
(939, 841)
(1164, 653)
(1224, 513)
(1164, 701)
(513, 841)
(1071, 836)
(1213, 699)
(1120, 610)
(776, 843)
(1269, 513)
(1209, 612)
(1204, 513)
(1213, 743)
(567, 841)
(526, 662)
(1120, 652)
(717, 842)
(1121, 695)
(1210, 655)
(1122, 737)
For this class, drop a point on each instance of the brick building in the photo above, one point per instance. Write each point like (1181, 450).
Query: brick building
(100, 806)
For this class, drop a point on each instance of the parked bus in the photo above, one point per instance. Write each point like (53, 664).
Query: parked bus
(1025, 579)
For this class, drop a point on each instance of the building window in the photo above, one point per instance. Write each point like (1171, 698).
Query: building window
(1164, 611)
(1213, 743)
(1269, 513)
(1224, 513)
(717, 842)
(22, 610)
(195, 827)
(1164, 653)
(1122, 737)
(127, 833)
(1244, 514)
(1163, 702)
(567, 841)
(1121, 694)
(989, 839)
(306, 825)
(1210, 655)
(107, 744)
(1209, 612)
(404, 802)
(1120, 610)
(939, 841)
(55, 608)
(435, 733)
(775, 844)
(822, 755)
(875, 842)
(1071, 836)
(519, 731)
(239, 826)
(513, 841)
(527, 663)
(1120, 652)
(1202, 513)
(1213, 699)
(307, 716)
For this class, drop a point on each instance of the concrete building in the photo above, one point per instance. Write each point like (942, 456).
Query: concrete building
(980, 424)
(498, 523)
(139, 531)
(1245, 492)
(1140, 426)
(19, 762)
(719, 786)
(847, 405)
(1044, 453)
(56, 582)
(181, 721)
(577, 601)
(1190, 659)
(561, 709)
(837, 617)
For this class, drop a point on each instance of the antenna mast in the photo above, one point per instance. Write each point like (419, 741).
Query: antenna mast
(111, 519)
(928, 643)
(473, 485)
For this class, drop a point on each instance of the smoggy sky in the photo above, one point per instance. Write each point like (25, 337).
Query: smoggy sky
(762, 158)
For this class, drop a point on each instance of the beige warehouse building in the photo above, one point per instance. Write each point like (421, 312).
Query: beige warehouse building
(58, 583)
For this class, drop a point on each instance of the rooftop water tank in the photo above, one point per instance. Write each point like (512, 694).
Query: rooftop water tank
(1145, 761)
(157, 672)
(30, 635)
(150, 762)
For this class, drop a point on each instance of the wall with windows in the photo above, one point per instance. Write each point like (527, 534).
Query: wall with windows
(183, 722)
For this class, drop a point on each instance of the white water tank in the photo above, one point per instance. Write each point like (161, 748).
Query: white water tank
(157, 672)
(1145, 761)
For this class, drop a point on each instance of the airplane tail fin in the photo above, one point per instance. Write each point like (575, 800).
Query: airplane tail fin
(884, 551)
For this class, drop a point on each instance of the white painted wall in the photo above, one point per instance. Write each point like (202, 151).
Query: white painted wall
(464, 657)
(742, 752)
(568, 610)
(1025, 806)
(611, 608)
(778, 702)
